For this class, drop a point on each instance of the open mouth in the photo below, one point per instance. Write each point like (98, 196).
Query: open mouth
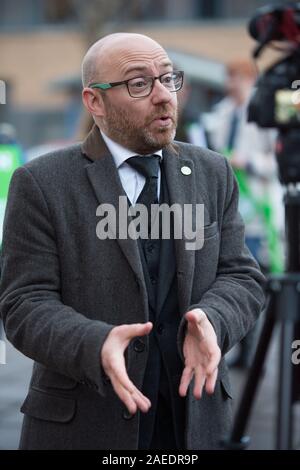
(164, 120)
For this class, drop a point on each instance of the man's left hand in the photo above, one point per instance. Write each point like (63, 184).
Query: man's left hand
(201, 353)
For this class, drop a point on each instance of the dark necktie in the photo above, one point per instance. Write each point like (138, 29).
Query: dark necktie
(148, 167)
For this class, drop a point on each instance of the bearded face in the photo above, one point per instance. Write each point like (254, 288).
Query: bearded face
(143, 131)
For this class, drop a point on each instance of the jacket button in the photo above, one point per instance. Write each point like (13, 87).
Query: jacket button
(160, 329)
(126, 415)
(138, 346)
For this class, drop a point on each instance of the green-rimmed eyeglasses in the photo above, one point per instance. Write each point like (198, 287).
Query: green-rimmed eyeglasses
(139, 87)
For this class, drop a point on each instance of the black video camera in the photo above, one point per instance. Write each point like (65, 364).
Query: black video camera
(276, 98)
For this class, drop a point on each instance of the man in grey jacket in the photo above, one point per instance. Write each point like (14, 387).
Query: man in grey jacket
(127, 333)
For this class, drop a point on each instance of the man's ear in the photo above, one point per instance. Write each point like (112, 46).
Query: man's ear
(93, 102)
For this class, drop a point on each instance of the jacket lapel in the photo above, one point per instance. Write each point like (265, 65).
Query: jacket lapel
(182, 190)
(103, 176)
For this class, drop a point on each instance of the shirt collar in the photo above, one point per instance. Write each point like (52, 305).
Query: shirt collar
(120, 154)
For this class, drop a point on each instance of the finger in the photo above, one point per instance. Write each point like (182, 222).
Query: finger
(125, 397)
(132, 399)
(211, 382)
(143, 397)
(120, 379)
(214, 355)
(199, 382)
(117, 372)
(185, 381)
(142, 402)
(122, 383)
(123, 386)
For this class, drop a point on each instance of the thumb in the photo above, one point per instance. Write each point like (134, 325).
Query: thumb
(195, 316)
(138, 329)
(191, 317)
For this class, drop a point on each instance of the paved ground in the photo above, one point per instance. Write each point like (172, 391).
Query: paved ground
(14, 379)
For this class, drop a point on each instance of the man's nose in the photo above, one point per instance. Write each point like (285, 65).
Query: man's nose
(160, 93)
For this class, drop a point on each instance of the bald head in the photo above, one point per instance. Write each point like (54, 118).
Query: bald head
(141, 116)
(101, 57)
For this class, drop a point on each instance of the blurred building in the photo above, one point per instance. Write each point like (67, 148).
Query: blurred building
(43, 42)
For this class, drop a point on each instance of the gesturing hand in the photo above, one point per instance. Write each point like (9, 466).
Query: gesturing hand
(113, 363)
(201, 353)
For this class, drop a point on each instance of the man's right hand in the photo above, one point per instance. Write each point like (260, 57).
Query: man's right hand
(113, 363)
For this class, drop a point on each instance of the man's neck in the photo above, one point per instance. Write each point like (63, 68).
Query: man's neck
(121, 148)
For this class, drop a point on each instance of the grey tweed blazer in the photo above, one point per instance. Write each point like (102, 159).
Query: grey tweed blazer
(63, 289)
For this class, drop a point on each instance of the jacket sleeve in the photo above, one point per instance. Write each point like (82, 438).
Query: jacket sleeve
(235, 299)
(35, 319)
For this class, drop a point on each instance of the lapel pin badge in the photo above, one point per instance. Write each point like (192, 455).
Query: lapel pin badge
(185, 170)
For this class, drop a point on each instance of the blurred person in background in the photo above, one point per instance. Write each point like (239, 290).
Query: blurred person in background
(250, 150)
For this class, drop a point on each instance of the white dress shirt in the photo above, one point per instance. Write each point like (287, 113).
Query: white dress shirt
(132, 181)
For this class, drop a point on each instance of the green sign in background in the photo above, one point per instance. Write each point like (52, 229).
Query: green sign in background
(10, 159)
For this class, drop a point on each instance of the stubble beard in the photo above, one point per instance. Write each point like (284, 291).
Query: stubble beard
(134, 136)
